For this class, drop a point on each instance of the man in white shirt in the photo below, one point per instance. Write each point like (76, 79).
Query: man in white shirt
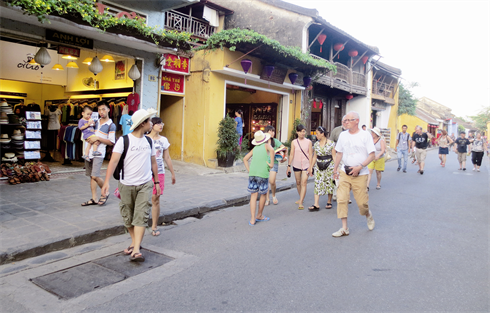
(355, 148)
(135, 184)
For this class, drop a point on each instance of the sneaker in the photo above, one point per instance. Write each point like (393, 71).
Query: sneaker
(404, 171)
(341, 232)
(464, 169)
(478, 170)
(421, 172)
(398, 169)
(474, 169)
(96, 153)
(370, 221)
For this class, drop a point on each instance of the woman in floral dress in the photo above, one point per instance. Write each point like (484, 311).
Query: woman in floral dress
(324, 153)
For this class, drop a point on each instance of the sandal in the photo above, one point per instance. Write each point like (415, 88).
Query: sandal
(274, 200)
(129, 250)
(313, 208)
(267, 202)
(378, 187)
(89, 202)
(103, 200)
(155, 232)
(328, 206)
(301, 207)
(137, 257)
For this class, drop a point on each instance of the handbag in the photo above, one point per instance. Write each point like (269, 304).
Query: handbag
(312, 170)
(323, 165)
(387, 156)
(348, 169)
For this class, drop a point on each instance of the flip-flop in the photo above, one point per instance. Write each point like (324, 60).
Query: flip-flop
(301, 207)
(313, 208)
(267, 202)
(328, 206)
(129, 250)
(155, 232)
(251, 224)
(265, 219)
(274, 200)
(137, 257)
(103, 200)
(378, 187)
(89, 202)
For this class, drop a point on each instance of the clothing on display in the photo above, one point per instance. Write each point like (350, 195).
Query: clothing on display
(54, 118)
(133, 102)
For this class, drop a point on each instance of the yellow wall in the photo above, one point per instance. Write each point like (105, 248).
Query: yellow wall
(488, 130)
(393, 122)
(171, 115)
(411, 121)
(37, 93)
(204, 102)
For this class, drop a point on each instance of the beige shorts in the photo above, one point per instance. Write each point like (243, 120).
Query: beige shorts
(420, 154)
(92, 168)
(461, 157)
(135, 204)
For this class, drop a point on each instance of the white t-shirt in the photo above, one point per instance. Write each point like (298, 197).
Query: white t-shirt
(161, 144)
(137, 164)
(54, 120)
(355, 149)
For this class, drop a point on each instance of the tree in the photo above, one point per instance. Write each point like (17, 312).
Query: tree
(480, 120)
(461, 129)
(406, 100)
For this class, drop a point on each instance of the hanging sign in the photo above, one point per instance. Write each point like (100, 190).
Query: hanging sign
(176, 64)
(173, 83)
(67, 50)
(56, 36)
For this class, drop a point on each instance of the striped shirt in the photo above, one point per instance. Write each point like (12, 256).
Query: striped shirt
(105, 131)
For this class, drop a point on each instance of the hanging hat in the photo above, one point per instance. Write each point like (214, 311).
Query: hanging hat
(9, 157)
(260, 138)
(4, 118)
(376, 131)
(140, 116)
(13, 119)
(4, 138)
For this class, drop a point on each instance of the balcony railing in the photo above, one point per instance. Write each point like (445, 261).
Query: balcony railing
(185, 23)
(344, 75)
(383, 89)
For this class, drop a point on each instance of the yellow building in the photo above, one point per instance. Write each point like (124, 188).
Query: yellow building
(217, 86)
(421, 118)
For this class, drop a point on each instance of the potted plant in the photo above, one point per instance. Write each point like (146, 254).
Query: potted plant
(227, 142)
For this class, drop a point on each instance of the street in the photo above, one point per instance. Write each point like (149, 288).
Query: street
(429, 251)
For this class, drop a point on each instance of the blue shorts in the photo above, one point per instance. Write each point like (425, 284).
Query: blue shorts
(258, 184)
(443, 150)
(275, 168)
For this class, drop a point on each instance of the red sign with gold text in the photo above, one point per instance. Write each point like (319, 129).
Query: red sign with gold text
(176, 63)
(173, 83)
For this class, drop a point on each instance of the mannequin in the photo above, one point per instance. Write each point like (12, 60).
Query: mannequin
(54, 114)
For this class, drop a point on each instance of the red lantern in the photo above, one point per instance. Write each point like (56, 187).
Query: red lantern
(364, 59)
(348, 97)
(321, 104)
(353, 53)
(338, 47)
(314, 103)
(321, 40)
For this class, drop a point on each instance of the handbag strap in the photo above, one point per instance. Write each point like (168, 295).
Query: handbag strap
(302, 150)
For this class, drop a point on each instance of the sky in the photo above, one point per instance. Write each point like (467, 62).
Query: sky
(444, 46)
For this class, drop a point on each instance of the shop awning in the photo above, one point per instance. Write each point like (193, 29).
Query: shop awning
(256, 78)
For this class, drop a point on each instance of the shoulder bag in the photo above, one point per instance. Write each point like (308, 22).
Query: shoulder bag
(313, 170)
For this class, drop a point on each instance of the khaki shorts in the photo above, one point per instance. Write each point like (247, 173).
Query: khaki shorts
(135, 204)
(461, 157)
(378, 165)
(420, 154)
(93, 167)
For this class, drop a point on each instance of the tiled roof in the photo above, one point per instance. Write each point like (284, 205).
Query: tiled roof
(425, 117)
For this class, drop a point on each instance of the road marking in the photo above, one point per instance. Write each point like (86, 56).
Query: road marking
(458, 173)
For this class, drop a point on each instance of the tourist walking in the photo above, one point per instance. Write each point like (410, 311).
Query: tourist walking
(461, 149)
(478, 148)
(299, 159)
(334, 136)
(276, 145)
(161, 153)
(258, 174)
(239, 126)
(355, 148)
(444, 142)
(322, 165)
(137, 155)
(403, 141)
(419, 146)
(378, 163)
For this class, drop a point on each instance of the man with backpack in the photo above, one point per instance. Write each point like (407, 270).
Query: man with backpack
(402, 145)
(133, 162)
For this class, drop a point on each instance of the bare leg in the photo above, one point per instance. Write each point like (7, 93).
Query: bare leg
(155, 211)
(369, 176)
(344, 223)
(137, 233)
(317, 200)
(87, 150)
(261, 207)
(297, 175)
(304, 181)
(330, 198)
(253, 207)
(94, 182)
(272, 181)
(378, 176)
(421, 166)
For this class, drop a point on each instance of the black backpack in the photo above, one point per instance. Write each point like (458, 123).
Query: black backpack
(119, 170)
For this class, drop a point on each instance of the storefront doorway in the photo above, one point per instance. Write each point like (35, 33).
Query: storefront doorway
(171, 113)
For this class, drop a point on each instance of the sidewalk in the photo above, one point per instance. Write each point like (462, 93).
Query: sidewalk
(36, 218)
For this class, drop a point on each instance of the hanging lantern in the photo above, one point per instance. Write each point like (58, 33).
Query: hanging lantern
(292, 79)
(57, 67)
(348, 97)
(353, 53)
(321, 104)
(134, 73)
(72, 65)
(95, 66)
(246, 64)
(321, 40)
(314, 103)
(364, 59)
(306, 81)
(338, 47)
(42, 57)
(269, 69)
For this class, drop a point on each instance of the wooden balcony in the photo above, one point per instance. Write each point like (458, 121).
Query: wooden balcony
(185, 23)
(384, 91)
(345, 79)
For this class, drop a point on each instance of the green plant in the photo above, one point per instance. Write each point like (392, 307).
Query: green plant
(482, 118)
(232, 37)
(461, 129)
(227, 137)
(89, 13)
(293, 132)
(406, 100)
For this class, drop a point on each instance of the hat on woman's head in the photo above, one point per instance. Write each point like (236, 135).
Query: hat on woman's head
(260, 138)
(140, 116)
(376, 131)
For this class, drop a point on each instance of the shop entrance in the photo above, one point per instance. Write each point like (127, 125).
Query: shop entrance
(171, 113)
(260, 108)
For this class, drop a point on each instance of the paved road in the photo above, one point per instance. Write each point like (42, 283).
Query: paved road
(428, 252)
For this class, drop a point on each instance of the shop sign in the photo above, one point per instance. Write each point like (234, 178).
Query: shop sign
(173, 83)
(56, 36)
(14, 65)
(67, 50)
(177, 64)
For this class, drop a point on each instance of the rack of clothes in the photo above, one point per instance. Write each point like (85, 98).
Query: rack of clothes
(71, 143)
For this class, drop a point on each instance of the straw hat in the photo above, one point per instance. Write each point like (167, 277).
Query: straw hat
(9, 157)
(376, 131)
(140, 116)
(4, 138)
(260, 138)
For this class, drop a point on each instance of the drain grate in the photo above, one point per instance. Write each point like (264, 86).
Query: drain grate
(75, 281)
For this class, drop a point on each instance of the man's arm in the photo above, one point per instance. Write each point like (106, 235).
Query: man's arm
(358, 168)
(338, 158)
(110, 170)
(154, 169)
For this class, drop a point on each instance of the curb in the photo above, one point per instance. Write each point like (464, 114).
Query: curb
(60, 243)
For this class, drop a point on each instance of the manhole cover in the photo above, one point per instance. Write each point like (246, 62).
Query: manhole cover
(78, 280)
